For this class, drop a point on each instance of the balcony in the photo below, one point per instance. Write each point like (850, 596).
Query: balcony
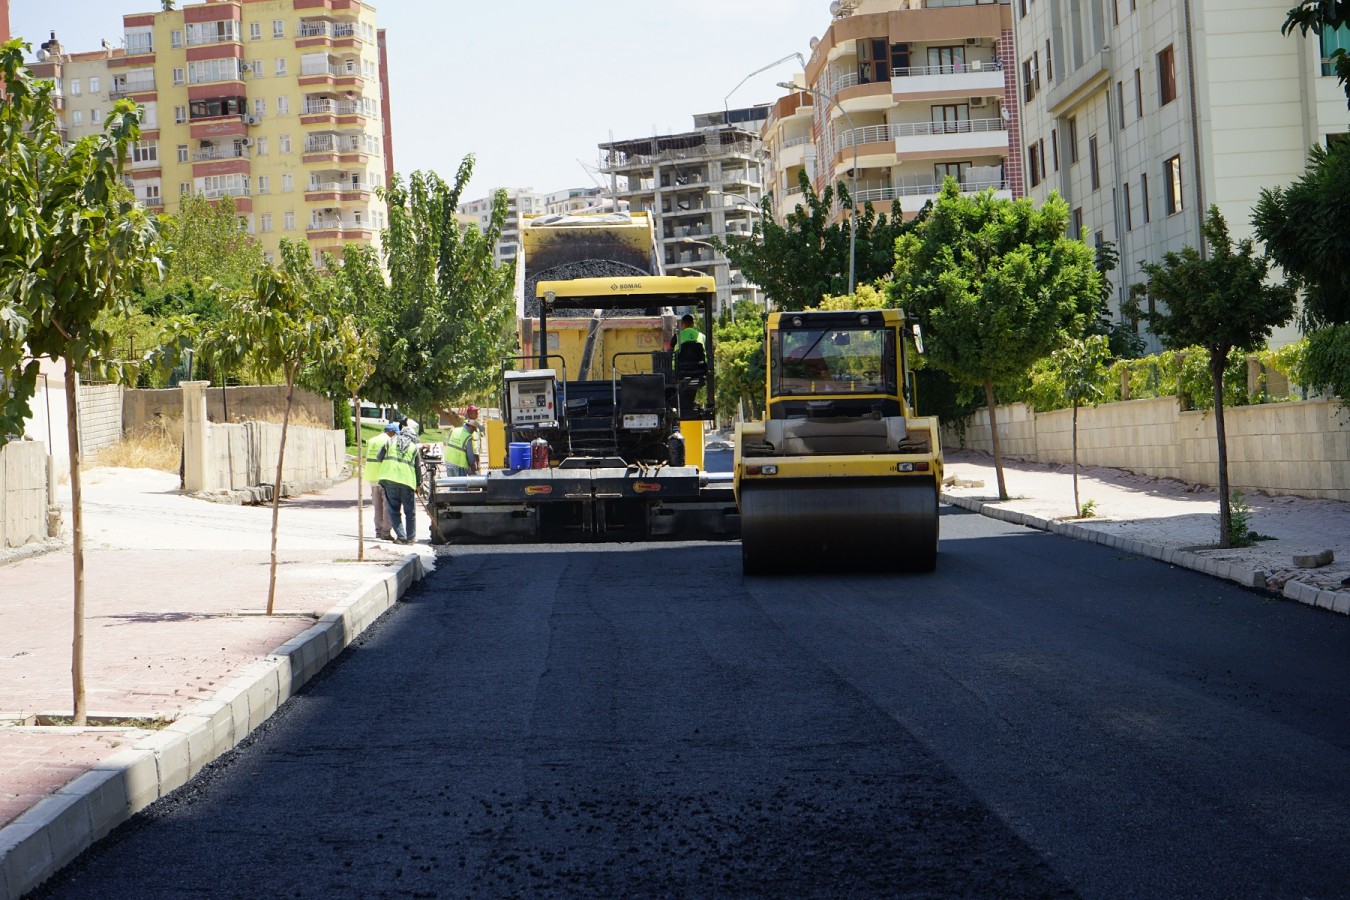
(325, 107)
(131, 86)
(220, 151)
(978, 77)
(139, 44)
(231, 191)
(332, 143)
(880, 134)
(326, 29)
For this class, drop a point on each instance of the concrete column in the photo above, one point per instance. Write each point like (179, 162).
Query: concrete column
(197, 474)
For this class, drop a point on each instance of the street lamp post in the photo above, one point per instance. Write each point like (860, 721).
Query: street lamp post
(853, 199)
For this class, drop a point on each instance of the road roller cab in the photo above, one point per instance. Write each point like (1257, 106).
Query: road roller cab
(840, 476)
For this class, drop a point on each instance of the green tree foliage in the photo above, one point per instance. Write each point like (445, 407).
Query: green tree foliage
(1318, 16)
(1080, 370)
(448, 320)
(738, 345)
(801, 262)
(1220, 302)
(996, 286)
(73, 244)
(1326, 364)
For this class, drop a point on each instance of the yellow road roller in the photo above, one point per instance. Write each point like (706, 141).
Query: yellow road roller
(840, 476)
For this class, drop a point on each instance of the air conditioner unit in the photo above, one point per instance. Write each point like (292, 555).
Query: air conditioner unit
(976, 102)
(973, 42)
(252, 120)
(247, 142)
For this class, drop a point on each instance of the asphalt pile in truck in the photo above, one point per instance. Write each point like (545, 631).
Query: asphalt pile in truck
(586, 268)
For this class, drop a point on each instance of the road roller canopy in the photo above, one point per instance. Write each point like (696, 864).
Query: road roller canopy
(847, 357)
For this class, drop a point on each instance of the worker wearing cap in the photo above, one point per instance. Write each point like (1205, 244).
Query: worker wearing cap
(461, 457)
(401, 476)
(378, 503)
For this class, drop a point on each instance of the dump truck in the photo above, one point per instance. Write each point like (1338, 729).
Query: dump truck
(840, 476)
(602, 418)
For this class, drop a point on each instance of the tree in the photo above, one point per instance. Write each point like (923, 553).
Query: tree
(450, 313)
(73, 244)
(739, 348)
(354, 351)
(1318, 16)
(1080, 369)
(279, 325)
(799, 263)
(1220, 302)
(996, 285)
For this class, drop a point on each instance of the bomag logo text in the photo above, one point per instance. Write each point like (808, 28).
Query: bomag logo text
(627, 286)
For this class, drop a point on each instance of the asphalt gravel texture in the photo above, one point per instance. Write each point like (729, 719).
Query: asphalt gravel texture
(1038, 718)
(585, 268)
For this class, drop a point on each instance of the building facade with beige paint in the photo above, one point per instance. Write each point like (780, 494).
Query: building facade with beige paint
(277, 103)
(913, 91)
(1143, 114)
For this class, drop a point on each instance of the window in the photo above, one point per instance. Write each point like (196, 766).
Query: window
(281, 65)
(75, 87)
(287, 182)
(93, 84)
(216, 107)
(255, 31)
(269, 257)
(278, 28)
(1023, 6)
(1054, 146)
(184, 188)
(212, 32)
(179, 115)
(1143, 197)
(260, 145)
(182, 153)
(1040, 146)
(1033, 164)
(1036, 68)
(283, 106)
(265, 222)
(257, 67)
(1138, 95)
(1129, 213)
(265, 186)
(1049, 64)
(1332, 40)
(95, 116)
(1076, 222)
(207, 70)
(1073, 140)
(1167, 77)
(1172, 185)
(213, 186)
(288, 220)
(1094, 173)
(178, 76)
(1120, 103)
(1028, 82)
(284, 144)
(77, 118)
(259, 107)
(176, 39)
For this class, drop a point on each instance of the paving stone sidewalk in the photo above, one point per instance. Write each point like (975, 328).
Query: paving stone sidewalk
(176, 588)
(1177, 519)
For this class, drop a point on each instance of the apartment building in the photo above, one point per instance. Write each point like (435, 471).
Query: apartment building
(4, 20)
(896, 96)
(276, 103)
(584, 199)
(1143, 113)
(697, 184)
(520, 203)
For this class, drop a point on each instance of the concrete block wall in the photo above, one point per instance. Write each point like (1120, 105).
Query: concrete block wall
(100, 417)
(234, 404)
(24, 493)
(1300, 448)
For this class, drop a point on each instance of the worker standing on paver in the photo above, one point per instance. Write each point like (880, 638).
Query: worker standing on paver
(378, 503)
(401, 476)
(461, 457)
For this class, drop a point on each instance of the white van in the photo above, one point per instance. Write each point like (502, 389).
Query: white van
(375, 414)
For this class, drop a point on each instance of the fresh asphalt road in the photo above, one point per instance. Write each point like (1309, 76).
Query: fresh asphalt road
(1039, 717)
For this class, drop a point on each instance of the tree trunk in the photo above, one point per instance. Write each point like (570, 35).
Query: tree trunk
(360, 486)
(1216, 366)
(993, 436)
(1077, 507)
(80, 714)
(276, 489)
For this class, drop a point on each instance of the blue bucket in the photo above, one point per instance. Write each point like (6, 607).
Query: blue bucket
(518, 456)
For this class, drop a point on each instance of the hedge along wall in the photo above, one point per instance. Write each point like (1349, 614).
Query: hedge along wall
(1300, 448)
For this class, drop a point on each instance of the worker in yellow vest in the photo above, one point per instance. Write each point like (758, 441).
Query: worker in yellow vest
(378, 503)
(461, 457)
(401, 476)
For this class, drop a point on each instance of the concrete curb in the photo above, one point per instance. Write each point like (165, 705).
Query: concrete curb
(1337, 601)
(59, 828)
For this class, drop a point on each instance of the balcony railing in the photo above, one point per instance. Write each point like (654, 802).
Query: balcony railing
(923, 189)
(140, 44)
(796, 142)
(232, 191)
(327, 143)
(315, 68)
(337, 225)
(339, 187)
(219, 151)
(215, 76)
(331, 107)
(873, 134)
(958, 68)
(326, 29)
(122, 89)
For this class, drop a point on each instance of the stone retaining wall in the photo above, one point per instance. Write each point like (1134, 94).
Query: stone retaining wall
(24, 493)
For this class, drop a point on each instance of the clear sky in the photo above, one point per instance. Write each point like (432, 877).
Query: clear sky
(531, 87)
